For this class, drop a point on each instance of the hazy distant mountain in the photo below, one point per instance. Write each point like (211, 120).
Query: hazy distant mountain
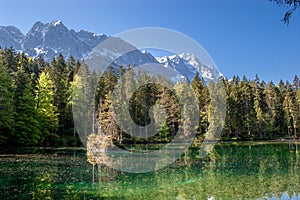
(11, 36)
(53, 38)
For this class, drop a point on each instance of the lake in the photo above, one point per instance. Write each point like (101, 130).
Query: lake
(231, 171)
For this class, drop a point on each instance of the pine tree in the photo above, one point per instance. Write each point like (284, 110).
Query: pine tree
(70, 69)
(168, 110)
(129, 88)
(106, 120)
(274, 109)
(35, 103)
(296, 88)
(82, 101)
(10, 60)
(202, 94)
(234, 107)
(121, 105)
(6, 104)
(217, 110)
(44, 96)
(27, 126)
(60, 76)
(259, 107)
(188, 107)
(290, 110)
(248, 113)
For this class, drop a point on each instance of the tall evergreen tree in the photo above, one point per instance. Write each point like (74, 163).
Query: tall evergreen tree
(202, 93)
(47, 112)
(10, 60)
(27, 126)
(259, 106)
(248, 113)
(60, 76)
(290, 110)
(296, 89)
(6, 103)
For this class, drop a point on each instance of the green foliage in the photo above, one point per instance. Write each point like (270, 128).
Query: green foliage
(36, 104)
(6, 104)
(27, 127)
(35, 99)
(203, 96)
(47, 112)
(261, 111)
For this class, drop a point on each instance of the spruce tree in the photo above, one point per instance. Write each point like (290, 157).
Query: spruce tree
(202, 94)
(290, 110)
(6, 103)
(60, 76)
(27, 126)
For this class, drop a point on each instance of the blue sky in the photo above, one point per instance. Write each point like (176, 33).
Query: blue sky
(243, 37)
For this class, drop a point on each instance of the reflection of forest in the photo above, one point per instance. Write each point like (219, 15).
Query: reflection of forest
(244, 170)
(230, 171)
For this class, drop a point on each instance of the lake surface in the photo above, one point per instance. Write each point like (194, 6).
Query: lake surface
(232, 171)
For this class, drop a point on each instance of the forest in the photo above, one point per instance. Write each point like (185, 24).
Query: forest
(36, 104)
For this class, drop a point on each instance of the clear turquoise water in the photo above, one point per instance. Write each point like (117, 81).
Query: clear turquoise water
(232, 171)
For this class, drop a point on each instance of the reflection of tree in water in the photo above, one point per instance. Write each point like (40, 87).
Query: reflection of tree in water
(231, 171)
(96, 155)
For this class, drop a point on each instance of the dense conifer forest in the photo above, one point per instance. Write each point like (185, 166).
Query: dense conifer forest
(36, 104)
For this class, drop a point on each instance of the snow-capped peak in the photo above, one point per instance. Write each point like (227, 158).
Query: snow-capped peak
(188, 65)
(162, 59)
(50, 39)
(56, 23)
(98, 35)
(191, 58)
(53, 38)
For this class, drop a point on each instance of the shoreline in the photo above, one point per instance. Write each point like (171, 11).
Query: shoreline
(84, 148)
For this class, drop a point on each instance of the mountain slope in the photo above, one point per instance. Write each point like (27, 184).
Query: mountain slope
(11, 36)
(51, 39)
(188, 65)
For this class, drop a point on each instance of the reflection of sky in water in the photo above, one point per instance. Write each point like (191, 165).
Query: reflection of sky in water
(285, 196)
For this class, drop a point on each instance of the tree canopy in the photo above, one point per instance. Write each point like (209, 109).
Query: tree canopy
(36, 102)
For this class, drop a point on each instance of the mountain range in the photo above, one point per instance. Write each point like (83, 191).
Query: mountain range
(51, 39)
